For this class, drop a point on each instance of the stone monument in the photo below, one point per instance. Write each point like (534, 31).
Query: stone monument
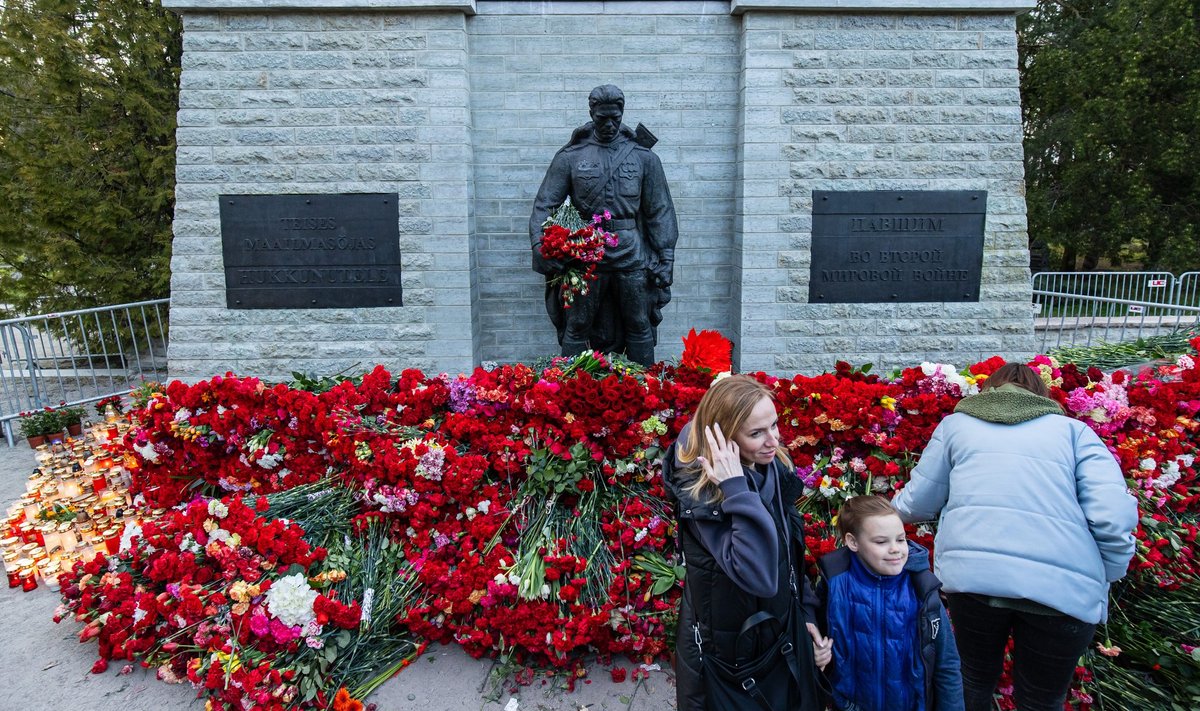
(451, 110)
(608, 169)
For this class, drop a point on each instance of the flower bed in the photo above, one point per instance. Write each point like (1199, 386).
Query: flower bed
(522, 509)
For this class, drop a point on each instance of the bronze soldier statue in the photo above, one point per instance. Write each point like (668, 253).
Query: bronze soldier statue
(607, 166)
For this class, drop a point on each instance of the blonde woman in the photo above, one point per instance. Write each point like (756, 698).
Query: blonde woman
(747, 637)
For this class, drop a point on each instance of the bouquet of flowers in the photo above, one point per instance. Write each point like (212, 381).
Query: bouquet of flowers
(103, 404)
(577, 244)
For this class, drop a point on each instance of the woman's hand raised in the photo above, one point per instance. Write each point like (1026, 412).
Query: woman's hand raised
(727, 461)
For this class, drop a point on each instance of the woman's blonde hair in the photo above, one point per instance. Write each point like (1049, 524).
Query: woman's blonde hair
(727, 403)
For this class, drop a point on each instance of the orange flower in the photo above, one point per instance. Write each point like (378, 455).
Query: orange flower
(343, 702)
(707, 351)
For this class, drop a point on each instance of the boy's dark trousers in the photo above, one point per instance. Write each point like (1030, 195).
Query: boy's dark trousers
(1046, 649)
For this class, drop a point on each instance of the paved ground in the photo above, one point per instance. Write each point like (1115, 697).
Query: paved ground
(44, 665)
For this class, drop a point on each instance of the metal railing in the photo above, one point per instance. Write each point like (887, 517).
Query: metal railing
(77, 357)
(1064, 319)
(1147, 287)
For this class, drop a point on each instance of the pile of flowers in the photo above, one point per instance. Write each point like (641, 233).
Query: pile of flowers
(226, 595)
(523, 511)
(578, 245)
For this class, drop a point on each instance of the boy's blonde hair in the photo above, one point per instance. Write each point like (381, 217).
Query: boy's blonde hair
(856, 509)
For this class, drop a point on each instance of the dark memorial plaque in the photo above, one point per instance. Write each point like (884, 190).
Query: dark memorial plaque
(891, 246)
(311, 251)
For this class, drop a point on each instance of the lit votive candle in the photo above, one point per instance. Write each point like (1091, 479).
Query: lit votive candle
(29, 578)
(66, 536)
(112, 540)
(49, 572)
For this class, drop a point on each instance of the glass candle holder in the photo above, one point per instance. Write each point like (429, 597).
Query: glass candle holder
(112, 540)
(49, 571)
(29, 578)
(66, 536)
(13, 573)
(70, 486)
(49, 536)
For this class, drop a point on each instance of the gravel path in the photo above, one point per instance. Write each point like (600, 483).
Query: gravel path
(45, 666)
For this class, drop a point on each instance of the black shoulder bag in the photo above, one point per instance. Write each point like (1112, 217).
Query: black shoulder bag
(760, 682)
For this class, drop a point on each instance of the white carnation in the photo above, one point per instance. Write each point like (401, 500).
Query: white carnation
(290, 599)
(147, 452)
(132, 530)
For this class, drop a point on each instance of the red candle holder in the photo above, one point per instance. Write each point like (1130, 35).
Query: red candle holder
(112, 541)
(14, 577)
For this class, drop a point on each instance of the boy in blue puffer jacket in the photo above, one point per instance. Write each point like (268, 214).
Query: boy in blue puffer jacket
(894, 649)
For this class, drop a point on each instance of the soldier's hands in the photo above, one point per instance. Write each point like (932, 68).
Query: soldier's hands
(541, 265)
(661, 275)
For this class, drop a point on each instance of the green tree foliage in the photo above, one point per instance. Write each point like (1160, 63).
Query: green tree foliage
(1111, 96)
(88, 95)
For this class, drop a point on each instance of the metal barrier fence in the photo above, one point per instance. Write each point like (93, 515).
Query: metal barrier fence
(1064, 319)
(1146, 287)
(77, 357)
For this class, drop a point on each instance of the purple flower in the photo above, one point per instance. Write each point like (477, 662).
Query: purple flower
(462, 395)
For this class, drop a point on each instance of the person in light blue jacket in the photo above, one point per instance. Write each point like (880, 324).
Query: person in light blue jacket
(1034, 522)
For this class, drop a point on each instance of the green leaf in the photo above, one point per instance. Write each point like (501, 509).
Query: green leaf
(661, 585)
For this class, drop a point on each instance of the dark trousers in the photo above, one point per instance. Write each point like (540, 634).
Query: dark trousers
(1046, 649)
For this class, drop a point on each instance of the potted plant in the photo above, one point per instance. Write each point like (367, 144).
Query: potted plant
(37, 425)
(72, 419)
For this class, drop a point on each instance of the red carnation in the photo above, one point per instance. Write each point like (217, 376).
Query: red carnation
(707, 351)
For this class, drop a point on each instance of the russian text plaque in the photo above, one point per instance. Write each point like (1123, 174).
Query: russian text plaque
(311, 251)
(890, 246)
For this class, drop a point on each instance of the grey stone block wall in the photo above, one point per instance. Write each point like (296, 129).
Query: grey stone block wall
(325, 102)
(877, 101)
(531, 72)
